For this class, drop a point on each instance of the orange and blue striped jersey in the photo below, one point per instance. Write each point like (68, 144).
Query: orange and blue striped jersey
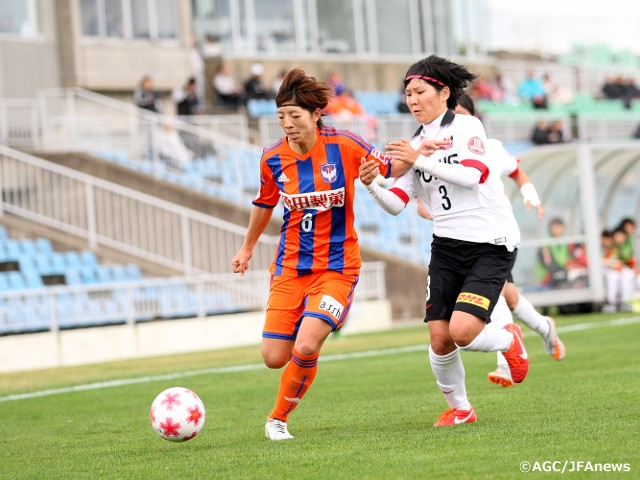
(317, 192)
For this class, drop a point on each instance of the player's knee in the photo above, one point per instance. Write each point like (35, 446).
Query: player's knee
(461, 336)
(442, 345)
(275, 359)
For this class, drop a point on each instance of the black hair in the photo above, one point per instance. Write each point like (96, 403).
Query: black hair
(441, 72)
(626, 221)
(466, 102)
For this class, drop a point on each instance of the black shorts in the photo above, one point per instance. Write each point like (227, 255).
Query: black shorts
(465, 276)
(510, 276)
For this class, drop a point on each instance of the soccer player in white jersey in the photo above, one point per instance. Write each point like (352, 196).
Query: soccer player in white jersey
(511, 300)
(475, 233)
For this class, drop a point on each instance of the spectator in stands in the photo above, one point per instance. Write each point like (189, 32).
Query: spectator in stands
(336, 81)
(619, 270)
(632, 88)
(629, 226)
(555, 133)
(540, 135)
(501, 90)
(171, 147)
(561, 265)
(145, 97)
(198, 71)
(186, 98)
(228, 92)
(482, 89)
(211, 47)
(556, 94)
(402, 102)
(277, 82)
(344, 106)
(254, 87)
(531, 91)
(618, 89)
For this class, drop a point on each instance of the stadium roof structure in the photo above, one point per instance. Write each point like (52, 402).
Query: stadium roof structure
(591, 187)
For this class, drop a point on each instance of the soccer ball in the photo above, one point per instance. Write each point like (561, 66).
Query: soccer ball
(177, 414)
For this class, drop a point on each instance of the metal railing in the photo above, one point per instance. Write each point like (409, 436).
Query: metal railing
(107, 214)
(20, 122)
(63, 307)
(611, 126)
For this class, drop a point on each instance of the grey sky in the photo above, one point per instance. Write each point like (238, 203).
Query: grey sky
(552, 25)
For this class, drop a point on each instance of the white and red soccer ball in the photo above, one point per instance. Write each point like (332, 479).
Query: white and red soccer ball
(177, 414)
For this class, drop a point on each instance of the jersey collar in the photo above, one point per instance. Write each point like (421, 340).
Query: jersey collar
(446, 120)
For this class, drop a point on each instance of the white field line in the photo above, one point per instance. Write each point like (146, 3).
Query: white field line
(257, 366)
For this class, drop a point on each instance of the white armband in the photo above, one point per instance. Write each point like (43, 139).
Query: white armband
(466, 177)
(389, 201)
(529, 194)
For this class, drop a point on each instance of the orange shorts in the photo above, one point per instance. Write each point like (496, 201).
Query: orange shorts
(326, 295)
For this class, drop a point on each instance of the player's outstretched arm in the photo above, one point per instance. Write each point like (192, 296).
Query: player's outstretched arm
(257, 223)
(529, 193)
(389, 201)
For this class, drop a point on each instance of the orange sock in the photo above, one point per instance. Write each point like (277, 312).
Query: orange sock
(296, 379)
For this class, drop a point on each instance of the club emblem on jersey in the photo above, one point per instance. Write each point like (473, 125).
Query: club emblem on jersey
(450, 144)
(476, 145)
(329, 172)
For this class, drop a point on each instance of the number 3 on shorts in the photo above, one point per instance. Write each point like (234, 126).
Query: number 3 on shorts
(428, 287)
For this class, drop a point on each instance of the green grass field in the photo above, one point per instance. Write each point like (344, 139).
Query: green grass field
(369, 414)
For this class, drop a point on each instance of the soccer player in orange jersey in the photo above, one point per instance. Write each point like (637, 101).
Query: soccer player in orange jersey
(317, 261)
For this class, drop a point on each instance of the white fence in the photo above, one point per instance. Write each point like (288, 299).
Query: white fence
(603, 126)
(20, 122)
(63, 307)
(110, 215)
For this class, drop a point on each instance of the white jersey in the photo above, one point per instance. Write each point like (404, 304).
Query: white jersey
(482, 214)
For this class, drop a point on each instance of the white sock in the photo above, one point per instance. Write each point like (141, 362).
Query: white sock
(492, 338)
(502, 362)
(501, 314)
(450, 377)
(531, 317)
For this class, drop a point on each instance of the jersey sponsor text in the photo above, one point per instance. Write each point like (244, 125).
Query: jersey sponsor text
(315, 200)
(474, 299)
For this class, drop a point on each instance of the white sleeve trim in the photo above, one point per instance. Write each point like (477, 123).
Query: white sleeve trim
(466, 177)
(389, 201)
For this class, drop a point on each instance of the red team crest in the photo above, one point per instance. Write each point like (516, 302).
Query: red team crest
(329, 173)
(476, 145)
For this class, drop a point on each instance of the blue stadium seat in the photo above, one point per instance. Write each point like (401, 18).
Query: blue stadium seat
(73, 277)
(58, 263)
(72, 259)
(118, 273)
(13, 249)
(103, 274)
(4, 234)
(43, 264)
(16, 280)
(89, 258)
(43, 245)
(4, 282)
(26, 263)
(28, 246)
(133, 271)
(88, 275)
(33, 279)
